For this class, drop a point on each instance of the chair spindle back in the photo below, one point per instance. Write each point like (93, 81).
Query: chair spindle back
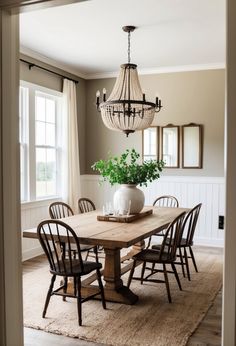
(53, 236)
(86, 205)
(190, 223)
(172, 237)
(59, 210)
(166, 201)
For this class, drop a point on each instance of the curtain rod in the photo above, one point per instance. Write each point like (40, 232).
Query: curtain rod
(45, 69)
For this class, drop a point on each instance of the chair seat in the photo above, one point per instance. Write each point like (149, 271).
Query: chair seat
(183, 243)
(153, 255)
(76, 268)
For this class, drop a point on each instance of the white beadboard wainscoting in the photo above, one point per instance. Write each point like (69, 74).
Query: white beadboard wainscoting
(32, 214)
(210, 191)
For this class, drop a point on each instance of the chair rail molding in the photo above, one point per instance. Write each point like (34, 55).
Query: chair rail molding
(189, 190)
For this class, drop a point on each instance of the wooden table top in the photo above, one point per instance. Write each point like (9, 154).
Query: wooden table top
(115, 234)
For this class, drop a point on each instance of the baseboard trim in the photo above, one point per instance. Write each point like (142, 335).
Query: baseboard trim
(212, 242)
(31, 253)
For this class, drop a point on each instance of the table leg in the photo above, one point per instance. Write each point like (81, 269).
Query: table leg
(114, 289)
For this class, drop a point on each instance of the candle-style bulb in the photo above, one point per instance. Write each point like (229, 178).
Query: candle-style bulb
(97, 99)
(104, 94)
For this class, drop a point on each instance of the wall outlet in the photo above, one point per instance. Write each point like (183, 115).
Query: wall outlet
(221, 222)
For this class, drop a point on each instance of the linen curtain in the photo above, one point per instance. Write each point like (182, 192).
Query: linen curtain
(73, 167)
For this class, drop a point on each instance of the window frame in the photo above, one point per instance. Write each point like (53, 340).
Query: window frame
(24, 139)
(33, 90)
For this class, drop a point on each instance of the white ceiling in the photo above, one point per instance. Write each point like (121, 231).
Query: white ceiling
(88, 39)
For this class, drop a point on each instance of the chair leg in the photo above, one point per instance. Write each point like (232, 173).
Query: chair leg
(176, 276)
(131, 274)
(167, 283)
(79, 305)
(193, 258)
(49, 295)
(182, 261)
(187, 265)
(86, 257)
(101, 288)
(153, 267)
(143, 271)
(75, 286)
(149, 242)
(95, 249)
(65, 287)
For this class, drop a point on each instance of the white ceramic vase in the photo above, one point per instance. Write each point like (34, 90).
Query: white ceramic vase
(128, 199)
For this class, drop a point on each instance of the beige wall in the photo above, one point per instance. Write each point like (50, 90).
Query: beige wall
(187, 97)
(51, 81)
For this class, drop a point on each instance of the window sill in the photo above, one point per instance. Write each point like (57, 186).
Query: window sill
(39, 203)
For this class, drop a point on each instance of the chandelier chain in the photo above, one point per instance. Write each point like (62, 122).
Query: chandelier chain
(129, 47)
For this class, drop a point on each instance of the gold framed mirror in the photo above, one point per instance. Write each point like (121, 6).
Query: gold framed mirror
(192, 146)
(170, 146)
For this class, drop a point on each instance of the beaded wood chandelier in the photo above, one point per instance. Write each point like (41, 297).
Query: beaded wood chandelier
(126, 109)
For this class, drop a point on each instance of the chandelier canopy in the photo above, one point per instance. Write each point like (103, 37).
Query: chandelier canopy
(126, 109)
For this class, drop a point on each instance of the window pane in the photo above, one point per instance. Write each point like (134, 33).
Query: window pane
(50, 111)
(51, 172)
(40, 108)
(40, 172)
(22, 178)
(40, 133)
(45, 172)
(50, 134)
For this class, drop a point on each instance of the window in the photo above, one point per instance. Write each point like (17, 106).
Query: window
(40, 142)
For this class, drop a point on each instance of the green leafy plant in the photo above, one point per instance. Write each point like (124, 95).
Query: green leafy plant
(126, 169)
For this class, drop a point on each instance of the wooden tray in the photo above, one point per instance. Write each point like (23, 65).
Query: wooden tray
(124, 218)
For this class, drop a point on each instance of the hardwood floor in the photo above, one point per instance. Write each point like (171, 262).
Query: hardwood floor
(208, 332)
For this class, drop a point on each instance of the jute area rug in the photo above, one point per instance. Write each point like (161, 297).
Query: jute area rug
(151, 321)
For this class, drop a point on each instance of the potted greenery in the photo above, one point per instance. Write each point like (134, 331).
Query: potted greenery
(127, 171)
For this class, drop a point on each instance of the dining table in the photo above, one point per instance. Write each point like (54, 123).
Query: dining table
(113, 237)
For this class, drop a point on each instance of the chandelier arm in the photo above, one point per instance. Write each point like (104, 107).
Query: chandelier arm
(141, 102)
